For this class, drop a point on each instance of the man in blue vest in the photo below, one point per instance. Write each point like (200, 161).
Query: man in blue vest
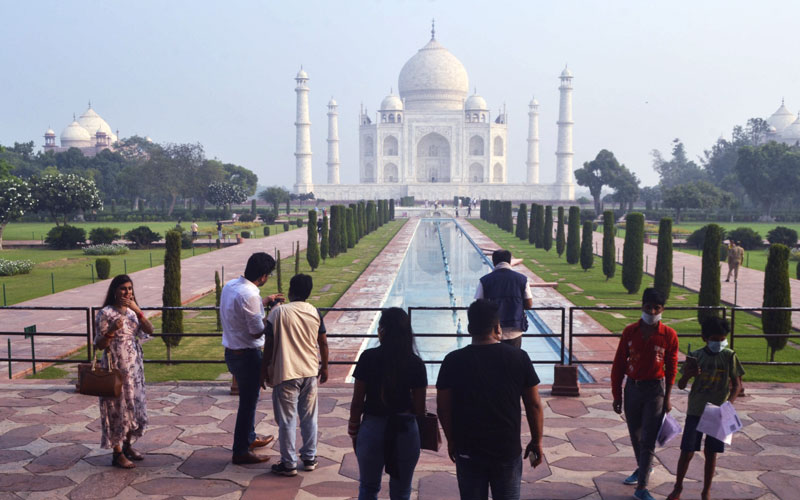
(510, 290)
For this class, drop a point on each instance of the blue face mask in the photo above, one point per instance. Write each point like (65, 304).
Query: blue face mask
(717, 346)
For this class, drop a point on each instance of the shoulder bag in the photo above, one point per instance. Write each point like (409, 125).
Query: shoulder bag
(94, 380)
(429, 436)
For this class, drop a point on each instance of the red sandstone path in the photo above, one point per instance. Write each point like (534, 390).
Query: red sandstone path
(197, 278)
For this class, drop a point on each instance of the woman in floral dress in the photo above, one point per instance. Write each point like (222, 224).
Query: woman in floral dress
(120, 325)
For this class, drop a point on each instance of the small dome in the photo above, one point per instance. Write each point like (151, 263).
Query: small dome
(566, 73)
(772, 129)
(476, 102)
(534, 102)
(148, 139)
(332, 102)
(302, 75)
(75, 136)
(781, 118)
(50, 133)
(391, 103)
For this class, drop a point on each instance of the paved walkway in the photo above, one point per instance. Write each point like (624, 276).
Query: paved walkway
(49, 449)
(197, 278)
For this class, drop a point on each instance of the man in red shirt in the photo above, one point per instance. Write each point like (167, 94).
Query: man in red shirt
(648, 355)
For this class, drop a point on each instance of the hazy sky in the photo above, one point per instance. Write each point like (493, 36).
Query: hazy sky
(222, 73)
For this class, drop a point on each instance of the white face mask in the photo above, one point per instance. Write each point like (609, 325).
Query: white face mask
(717, 346)
(651, 319)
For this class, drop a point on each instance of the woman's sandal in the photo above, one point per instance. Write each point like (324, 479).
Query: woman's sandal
(131, 453)
(121, 461)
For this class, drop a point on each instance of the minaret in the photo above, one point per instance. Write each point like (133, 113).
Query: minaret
(333, 143)
(564, 151)
(302, 125)
(533, 142)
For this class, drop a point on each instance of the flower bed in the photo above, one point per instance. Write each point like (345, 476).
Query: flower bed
(12, 267)
(105, 250)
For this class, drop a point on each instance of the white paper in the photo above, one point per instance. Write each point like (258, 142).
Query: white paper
(669, 429)
(719, 421)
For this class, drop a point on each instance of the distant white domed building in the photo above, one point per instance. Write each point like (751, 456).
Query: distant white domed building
(784, 126)
(89, 133)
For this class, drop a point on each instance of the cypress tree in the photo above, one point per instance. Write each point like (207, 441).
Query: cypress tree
(609, 245)
(334, 234)
(532, 230)
(587, 256)
(548, 228)
(370, 216)
(560, 240)
(324, 244)
(347, 242)
(361, 224)
(297, 260)
(709, 277)
(484, 209)
(217, 296)
(312, 246)
(574, 235)
(351, 228)
(278, 271)
(777, 293)
(354, 208)
(509, 216)
(633, 252)
(797, 270)
(253, 206)
(391, 209)
(663, 274)
(380, 213)
(539, 226)
(385, 211)
(522, 222)
(172, 320)
(343, 235)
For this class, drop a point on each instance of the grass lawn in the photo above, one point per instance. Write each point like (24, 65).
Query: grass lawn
(592, 283)
(335, 275)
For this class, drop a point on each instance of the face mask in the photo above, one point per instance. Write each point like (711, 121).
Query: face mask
(717, 346)
(651, 319)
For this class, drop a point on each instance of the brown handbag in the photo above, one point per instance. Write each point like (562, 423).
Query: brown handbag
(429, 436)
(94, 380)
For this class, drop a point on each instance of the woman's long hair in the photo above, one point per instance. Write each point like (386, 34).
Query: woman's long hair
(117, 282)
(397, 342)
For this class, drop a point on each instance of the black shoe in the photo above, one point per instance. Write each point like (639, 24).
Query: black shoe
(310, 465)
(282, 470)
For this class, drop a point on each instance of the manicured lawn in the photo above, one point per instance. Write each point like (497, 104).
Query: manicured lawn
(593, 289)
(336, 274)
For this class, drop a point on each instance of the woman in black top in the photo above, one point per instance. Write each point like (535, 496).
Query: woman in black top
(389, 394)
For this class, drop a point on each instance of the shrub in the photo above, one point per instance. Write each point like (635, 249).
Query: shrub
(663, 274)
(361, 219)
(540, 226)
(299, 222)
(285, 226)
(253, 207)
(312, 246)
(485, 210)
(103, 235)
(533, 231)
(186, 240)
(350, 220)
(105, 250)
(103, 267)
(633, 252)
(508, 221)
(246, 234)
(172, 321)
(548, 228)
(65, 237)
(709, 277)
(697, 238)
(266, 230)
(782, 235)
(777, 293)
(324, 244)
(574, 235)
(587, 256)
(219, 244)
(391, 209)
(748, 238)
(522, 222)
(723, 252)
(609, 245)
(13, 267)
(247, 218)
(142, 237)
(560, 242)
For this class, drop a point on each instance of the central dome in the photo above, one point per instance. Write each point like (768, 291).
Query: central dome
(433, 79)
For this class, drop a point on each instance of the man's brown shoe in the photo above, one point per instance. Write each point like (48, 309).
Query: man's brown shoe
(258, 443)
(249, 458)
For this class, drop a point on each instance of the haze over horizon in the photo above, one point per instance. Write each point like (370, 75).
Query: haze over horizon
(222, 74)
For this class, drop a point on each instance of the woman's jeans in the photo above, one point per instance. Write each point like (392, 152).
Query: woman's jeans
(370, 446)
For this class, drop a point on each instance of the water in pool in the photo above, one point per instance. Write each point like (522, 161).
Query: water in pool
(442, 268)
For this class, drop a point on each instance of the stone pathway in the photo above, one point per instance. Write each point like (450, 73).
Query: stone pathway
(49, 449)
(197, 279)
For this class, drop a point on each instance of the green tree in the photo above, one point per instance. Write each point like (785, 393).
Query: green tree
(371, 216)
(324, 245)
(334, 242)
(709, 277)
(380, 213)
(274, 195)
(522, 222)
(633, 252)
(769, 173)
(15, 200)
(548, 228)
(391, 209)
(587, 255)
(609, 245)
(508, 217)
(61, 195)
(278, 276)
(662, 277)
(297, 259)
(351, 227)
(698, 194)
(560, 240)
(626, 187)
(224, 194)
(574, 235)
(172, 320)
(540, 227)
(602, 171)
(356, 235)
(362, 219)
(777, 293)
(679, 169)
(312, 246)
(217, 297)
(532, 229)
(342, 226)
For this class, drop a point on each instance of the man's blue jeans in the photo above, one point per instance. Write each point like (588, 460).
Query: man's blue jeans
(293, 399)
(245, 365)
(476, 474)
(370, 446)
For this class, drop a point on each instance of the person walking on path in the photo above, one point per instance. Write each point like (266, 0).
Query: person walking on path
(510, 290)
(735, 259)
(478, 398)
(195, 228)
(648, 356)
(120, 325)
(295, 356)
(717, 375)
(241, 310)
(389, 393)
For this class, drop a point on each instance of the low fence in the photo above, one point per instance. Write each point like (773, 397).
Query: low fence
(564, 337)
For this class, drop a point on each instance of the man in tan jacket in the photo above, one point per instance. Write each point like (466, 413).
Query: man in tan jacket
(735, 259)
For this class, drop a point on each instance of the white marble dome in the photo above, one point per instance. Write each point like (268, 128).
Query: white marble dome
(781, 118)
(391, 103)
(50, 132)
(433, 79)
(75, 136)
(792, 132)
(476, 103)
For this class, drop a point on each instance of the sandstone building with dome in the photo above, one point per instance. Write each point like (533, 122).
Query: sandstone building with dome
(433, 140)
(89, 133)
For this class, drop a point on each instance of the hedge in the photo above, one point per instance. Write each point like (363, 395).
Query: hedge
(709, 277)
(587, 256)
(574, 235)
(663, 272)
(609, 246)
(777, 293)
(633, 252)
(560, 242)
(172, 321)
(522, 222)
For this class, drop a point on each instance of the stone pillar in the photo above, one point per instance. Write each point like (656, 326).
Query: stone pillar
(564, 177)
(333, 143)
(302, 125)
(533, 142)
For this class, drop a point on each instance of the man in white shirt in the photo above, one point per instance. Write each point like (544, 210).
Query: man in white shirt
(242, 315)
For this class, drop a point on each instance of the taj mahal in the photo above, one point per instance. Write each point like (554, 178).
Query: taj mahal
(434, 141)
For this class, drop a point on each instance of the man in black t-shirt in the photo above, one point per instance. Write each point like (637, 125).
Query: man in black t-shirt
(477, 394)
